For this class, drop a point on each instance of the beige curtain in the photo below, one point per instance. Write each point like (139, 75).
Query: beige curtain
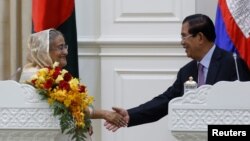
(15, 26)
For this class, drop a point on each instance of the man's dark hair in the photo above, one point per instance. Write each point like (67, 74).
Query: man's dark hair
(201, 23)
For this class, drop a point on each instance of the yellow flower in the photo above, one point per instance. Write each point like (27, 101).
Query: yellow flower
(64, 71)
(59, 78)
(74, 83)
(43, 72)
(56, 64)
(40, 79)
(68, 100)
(59, 95)
(90, 100)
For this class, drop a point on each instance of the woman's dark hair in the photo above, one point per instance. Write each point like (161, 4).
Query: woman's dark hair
(201, 23)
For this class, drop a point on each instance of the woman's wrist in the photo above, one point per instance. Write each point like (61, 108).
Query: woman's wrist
(91, 111)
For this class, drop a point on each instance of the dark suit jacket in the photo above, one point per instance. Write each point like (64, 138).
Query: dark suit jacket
(221, 68)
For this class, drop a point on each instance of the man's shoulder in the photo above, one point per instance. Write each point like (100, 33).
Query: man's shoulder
(222, 51)
(190, 64)
(221, 55)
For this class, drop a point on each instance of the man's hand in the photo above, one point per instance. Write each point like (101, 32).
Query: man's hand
(124, 113)
(115, 118)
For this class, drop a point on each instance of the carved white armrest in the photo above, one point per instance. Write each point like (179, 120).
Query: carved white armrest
(222, 103)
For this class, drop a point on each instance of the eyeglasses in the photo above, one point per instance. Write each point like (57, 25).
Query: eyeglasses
(60, 48)
(183, 38)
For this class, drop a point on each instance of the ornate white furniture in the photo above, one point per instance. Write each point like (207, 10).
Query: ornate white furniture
(222, 103)
(24, 117)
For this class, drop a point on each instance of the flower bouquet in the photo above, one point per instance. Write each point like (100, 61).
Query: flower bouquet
(67, 98)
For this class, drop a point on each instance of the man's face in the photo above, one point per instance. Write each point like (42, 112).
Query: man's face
(59, 51)
(189, 42)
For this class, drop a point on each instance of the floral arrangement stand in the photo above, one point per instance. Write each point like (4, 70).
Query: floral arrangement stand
(24, 117)
(224, 103)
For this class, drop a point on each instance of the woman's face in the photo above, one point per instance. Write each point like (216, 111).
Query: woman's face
(59, 50)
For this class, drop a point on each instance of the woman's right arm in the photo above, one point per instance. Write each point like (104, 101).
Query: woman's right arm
(109, 116)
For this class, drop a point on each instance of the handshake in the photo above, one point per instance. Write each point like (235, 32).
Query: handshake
(115, 119)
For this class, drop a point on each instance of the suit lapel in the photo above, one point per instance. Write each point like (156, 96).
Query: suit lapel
(213, 67)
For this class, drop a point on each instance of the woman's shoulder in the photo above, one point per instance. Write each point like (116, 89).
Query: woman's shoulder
(32, 69)
(27, 73)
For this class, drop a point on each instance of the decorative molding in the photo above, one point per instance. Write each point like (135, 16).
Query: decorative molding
(198, 119)
(27, 118)
(121, 75)
(163, 13)
(145, 71)
(142, 55)
(124, 47)
(192, 98)
(84, 40)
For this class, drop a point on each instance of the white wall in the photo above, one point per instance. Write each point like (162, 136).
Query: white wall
(129, 52)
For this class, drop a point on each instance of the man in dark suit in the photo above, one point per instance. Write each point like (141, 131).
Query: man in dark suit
(198, 35)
